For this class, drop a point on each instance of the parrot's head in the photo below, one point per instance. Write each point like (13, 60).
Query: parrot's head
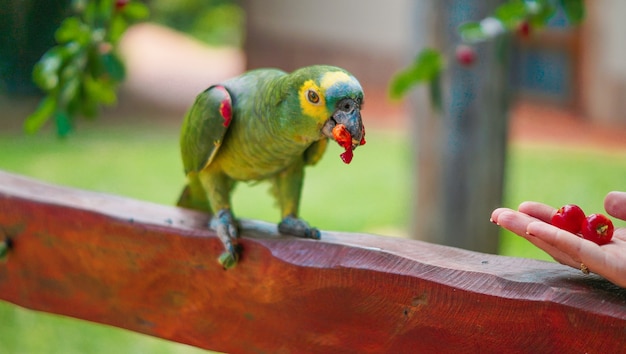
(333, 98)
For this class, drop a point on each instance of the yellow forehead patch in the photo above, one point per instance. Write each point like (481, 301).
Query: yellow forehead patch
(333, 77)
(317, 110)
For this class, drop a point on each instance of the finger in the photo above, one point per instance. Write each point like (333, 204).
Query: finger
(568, 248)
(518, 222)
(538, 210)
(496, 214)
(615, 204)
(514, 221)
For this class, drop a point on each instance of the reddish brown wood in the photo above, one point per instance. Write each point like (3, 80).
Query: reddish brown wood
(152, 269)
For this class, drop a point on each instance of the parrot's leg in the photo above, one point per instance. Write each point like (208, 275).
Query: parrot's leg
(218, 187)
(287, 188)
(223, 222)
(291, 225)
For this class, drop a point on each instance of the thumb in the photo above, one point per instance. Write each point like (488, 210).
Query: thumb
(615, 204)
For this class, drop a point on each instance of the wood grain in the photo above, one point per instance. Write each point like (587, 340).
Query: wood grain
(151, 269)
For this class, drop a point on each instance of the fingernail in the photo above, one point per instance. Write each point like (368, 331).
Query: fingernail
(529, 234)
(493, 221)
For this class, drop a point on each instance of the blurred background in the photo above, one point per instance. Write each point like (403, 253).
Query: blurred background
(563, 128)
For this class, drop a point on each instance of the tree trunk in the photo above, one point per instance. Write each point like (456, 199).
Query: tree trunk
(461, 147)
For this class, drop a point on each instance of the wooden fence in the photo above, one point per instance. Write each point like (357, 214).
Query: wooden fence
(151, 269)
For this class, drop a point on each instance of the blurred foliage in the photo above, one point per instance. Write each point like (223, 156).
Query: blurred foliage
(83, 70)
(426, 67)
(215, 22)
(518, 17)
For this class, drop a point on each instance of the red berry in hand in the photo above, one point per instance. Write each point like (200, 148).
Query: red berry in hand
(465, 55)
(569, 218)
(597, 228)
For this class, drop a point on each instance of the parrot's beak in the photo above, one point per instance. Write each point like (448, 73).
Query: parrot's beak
(347, 113)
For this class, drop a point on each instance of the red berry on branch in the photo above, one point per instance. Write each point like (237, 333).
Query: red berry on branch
(523, 29)
(120, 4)
(465, 54)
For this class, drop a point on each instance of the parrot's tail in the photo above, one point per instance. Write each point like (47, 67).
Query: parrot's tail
(194, 197)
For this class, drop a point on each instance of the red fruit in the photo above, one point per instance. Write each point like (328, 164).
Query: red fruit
(569, 218)
(344, 139)
(120, 4)
(597, 228)
(523, 29)
(342, 136)
(465, 55)
(346, 156)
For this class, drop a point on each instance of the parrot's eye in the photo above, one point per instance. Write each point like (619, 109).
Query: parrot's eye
(313, 97)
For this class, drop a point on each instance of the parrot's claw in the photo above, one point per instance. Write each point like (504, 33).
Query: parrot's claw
(291, 225)
(225, 226)
(228, 259)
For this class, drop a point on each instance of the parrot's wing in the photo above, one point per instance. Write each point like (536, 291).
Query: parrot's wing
(315, 152)
(204, 127)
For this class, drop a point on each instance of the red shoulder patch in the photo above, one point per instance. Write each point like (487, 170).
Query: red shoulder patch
(226, 106)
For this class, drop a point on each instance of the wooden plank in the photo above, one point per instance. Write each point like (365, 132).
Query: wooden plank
(151, 269)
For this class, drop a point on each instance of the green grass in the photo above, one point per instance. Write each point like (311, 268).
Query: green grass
(372, 194)
(145, 164)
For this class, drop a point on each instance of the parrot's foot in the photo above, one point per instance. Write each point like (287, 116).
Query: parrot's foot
(225, 226)
(291, 225)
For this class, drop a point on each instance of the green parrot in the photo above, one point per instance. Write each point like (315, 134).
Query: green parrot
(265, 125)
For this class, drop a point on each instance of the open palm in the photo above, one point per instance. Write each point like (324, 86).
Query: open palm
(532, 221)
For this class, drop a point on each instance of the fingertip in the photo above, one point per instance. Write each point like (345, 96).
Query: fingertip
(615, 204)
(537, 210)
(497, 214)
(524, 205)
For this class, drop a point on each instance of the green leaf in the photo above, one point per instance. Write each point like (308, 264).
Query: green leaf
(113, 66)
(574, 9)
(70, 70)
(545, 11)
(100, 91)
(436, 96)
(511, 13)
(69, 90)
(472, 32)
(63, 123)
(425, 68)
(116, 29)
(135, 11)
(105, 10)
(46, 71)
(90, 12)
(95, 67)
(68, 30)
(40, 116)
(72, 29)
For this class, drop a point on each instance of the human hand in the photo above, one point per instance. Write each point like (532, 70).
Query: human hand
(532, 221)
